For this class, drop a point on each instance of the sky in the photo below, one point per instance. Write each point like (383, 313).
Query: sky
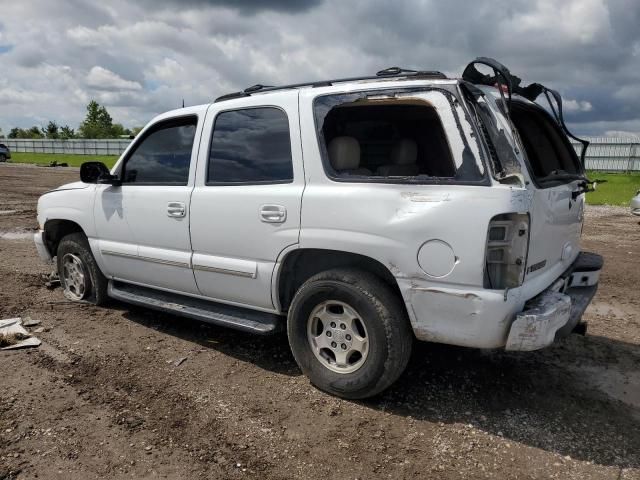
(142, 58)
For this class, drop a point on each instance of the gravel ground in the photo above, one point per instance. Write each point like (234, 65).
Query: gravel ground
(103, 396)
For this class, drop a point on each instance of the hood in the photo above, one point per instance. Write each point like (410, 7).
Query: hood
(69, 186)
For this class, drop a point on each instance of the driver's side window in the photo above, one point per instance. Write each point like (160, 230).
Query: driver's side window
(163, 155)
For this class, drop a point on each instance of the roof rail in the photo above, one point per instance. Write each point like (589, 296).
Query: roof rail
(386, 73)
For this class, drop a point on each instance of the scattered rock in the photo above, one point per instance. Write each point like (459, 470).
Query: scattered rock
(30, 322)
(179, 361)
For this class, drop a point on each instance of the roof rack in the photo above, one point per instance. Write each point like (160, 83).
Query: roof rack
(386, 73)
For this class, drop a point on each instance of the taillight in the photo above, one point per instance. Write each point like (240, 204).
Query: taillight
(507, 245)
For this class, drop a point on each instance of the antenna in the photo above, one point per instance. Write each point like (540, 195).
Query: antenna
(183, 103)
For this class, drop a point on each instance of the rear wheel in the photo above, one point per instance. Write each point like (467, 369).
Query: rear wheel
(80, 276)
(3, 157)
(349, 333)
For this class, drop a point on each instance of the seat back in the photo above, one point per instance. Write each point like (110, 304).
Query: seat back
(344, 155)
(404, 155)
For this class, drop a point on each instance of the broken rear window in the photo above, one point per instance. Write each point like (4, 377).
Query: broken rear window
(415, 137)
(549, 152)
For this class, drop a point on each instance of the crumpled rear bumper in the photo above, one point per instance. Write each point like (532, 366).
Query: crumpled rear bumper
(555, 312)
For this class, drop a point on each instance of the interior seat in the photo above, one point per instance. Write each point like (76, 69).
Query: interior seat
(344, 155)
(404, 157)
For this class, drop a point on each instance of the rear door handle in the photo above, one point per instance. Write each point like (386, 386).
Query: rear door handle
(273, 213)
(176, 209)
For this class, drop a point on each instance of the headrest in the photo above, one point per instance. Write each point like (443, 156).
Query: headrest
(404, 152)
(344, 153)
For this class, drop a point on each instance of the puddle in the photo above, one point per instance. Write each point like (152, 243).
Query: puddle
(16, 235)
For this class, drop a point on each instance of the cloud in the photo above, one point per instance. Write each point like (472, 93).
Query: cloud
(102, 79)
(143, 58)
(571, 105)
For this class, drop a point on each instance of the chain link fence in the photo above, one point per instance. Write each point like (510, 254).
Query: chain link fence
(73, 147)
(611, 154)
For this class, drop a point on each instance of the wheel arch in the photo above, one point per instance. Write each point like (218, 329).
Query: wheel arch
(56, 229)
(301, 264)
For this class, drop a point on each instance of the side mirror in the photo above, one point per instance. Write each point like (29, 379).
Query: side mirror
(97, 172)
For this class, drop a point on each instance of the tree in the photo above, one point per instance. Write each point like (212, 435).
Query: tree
(98, 123)
(51, 130)
(34, 132)
(1, 134)
(67, 133)
(119, 131)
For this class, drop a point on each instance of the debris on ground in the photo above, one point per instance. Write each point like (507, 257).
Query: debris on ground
(178, 362)
(58, 164)
(14, 336)
(52, 280)
(30, 322)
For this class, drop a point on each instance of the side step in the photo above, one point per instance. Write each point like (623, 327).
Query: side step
(211, 312)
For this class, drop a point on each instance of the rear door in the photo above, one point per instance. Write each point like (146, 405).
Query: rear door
(245, 208)
(557, 204)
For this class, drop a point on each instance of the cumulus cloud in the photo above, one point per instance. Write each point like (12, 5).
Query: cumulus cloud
(570, 105)
(142, 58)
(103, 79)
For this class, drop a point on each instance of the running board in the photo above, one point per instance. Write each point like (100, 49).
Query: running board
(237, 318)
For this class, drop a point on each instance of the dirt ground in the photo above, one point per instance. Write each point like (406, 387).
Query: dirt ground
(102, 397)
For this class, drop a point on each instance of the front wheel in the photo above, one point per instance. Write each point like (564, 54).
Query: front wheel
(349, 333)
(80, 276)
(3, 157)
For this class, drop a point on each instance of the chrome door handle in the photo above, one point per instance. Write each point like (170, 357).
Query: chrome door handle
(273, 213)
(176, 209)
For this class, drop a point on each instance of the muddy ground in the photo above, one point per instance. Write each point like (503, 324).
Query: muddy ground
(103, 398)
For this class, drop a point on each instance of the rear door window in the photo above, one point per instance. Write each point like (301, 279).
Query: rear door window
(250, 146)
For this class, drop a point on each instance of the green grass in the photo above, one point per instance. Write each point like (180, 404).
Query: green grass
(72, 160)
(618, 189)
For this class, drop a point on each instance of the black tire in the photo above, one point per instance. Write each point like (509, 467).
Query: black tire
(3, 157)
(95, 282)
(389, 334)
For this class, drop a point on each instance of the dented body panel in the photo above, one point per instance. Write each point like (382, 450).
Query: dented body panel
(430, 234)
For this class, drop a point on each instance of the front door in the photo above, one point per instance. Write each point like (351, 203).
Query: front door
(245, 208)
(143, 225)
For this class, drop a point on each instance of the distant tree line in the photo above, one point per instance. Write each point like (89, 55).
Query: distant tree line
(97, 124)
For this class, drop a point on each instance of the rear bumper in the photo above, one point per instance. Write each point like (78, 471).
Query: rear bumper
(555, 312)
(41, 247)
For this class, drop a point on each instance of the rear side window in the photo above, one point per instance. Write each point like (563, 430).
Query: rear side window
(250, 146)
(163, 155)
(369, 136)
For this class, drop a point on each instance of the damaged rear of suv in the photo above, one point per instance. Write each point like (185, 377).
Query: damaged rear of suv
(361, 213)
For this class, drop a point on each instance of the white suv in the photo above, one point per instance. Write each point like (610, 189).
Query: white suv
(360, 213)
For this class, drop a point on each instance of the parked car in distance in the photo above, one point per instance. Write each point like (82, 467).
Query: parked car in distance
(360, 214)
(635, 204)
(5, 153)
